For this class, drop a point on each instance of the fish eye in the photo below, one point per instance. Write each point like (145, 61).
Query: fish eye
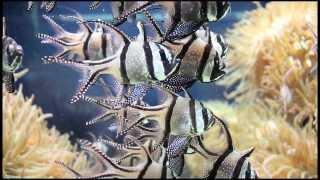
(150, 123)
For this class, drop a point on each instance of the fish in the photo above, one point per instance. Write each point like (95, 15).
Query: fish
(145, 168)
(178, 23)
(228, 164)
(137, 61)
(202, 57)
(12, 55)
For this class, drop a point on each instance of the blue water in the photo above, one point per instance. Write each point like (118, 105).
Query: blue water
(53, 85)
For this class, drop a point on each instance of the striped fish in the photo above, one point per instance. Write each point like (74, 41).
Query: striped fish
(137, 61)
(202, 55)
(184, 17)
(230, 163)
(145, 168)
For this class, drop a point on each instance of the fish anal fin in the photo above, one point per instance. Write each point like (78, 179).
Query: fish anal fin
(176, 164)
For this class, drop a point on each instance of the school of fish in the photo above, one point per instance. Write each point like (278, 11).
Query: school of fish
(156, 141)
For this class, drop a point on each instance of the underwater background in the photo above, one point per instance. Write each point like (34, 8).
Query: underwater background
(251, 97)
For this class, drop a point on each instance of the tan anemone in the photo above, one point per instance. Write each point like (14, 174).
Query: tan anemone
(271, 56)
(29, 146)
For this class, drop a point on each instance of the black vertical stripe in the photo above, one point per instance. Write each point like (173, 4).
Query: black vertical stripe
(145, 38)
(144, 170)
(149, 59)
(238, 167)
(215, 68)
(166, 135)
(177, 6)
(86, 45)
(248, 171)
(205, 118)
(193, 115)
(204, 59)
(121, 8)
(204, 10)
(123, 69)
(185, 48)
(164, 60)
(104, 45)
(184, 51)
(125, 114)
(217, 164)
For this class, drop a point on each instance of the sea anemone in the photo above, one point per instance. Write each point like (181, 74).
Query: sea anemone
(29, 146)
(272, 58)
(281, 149)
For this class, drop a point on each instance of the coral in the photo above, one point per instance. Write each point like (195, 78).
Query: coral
(29, 146)
(272, 58)
(281, 150)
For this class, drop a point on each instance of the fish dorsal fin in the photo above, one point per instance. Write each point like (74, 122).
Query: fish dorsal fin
(248, 152)
(77, 17)
(142, 37)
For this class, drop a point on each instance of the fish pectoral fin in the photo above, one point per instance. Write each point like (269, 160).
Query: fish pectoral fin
(183, 30)
(104, 117)
(177, 83)
(177, 145)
